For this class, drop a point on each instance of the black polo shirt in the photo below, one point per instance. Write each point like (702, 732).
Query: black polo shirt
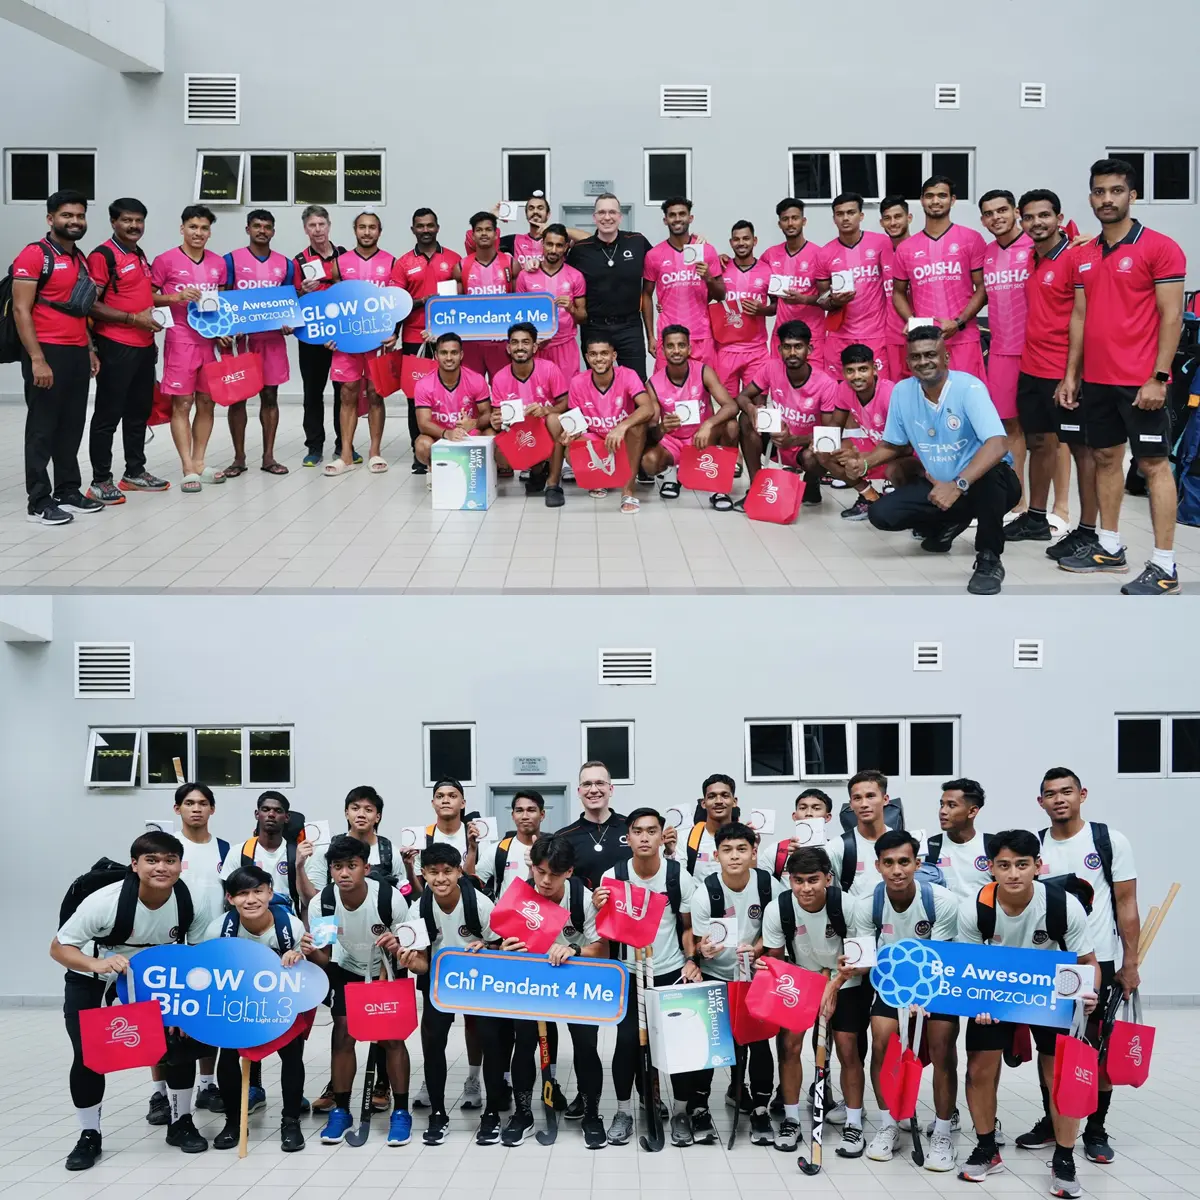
(597, 847)
(613, 273)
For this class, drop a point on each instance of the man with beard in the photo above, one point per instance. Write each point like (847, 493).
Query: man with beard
(567, 286)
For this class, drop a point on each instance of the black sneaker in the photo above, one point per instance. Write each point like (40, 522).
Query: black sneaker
(159, 1112)
(812, 491)
(184, 1135)
(537, 479)
(762, 1128)
(1153, 581)
(556, 1097)
(574, 1110)
(1072, 543)
(681, 1129)
(989, 575)
(228, 1137)
(86, 1151)
(860, 510)
(419, 468)
(595, 1136)
(1040, 1137)
(291, 1136)
(644, 479)
(489, 1129)
(51, 514)
(435, 1135)
(210, 1098)
(77, 502)
(1096, 1146)
(731, 1100)
(1093, 558)
(554, 496)
(775, 1108)
(520, 1124)
(1028, 528)
(704, 1132)
(941, 541)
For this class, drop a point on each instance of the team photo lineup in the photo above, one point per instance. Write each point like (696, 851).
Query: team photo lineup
(740, 908)
(858, 364)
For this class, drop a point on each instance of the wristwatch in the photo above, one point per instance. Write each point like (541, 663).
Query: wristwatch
(962, 485)
(1162, 376)
(961, 324)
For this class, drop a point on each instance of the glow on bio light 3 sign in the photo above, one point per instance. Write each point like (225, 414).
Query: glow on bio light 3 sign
(355, 316)
(230, 992)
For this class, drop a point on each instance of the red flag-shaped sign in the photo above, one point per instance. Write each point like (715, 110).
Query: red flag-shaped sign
(122, 1036)
(298, 1028)
(523, 913)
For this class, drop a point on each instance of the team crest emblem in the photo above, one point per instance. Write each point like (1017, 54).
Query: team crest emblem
(923, 929)
(981, 863)
(377, 928)
(953, 422)
(1040, 937)
(754, 912)
(1092, 861)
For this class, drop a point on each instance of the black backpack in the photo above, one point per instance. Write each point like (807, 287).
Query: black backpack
(787, 917)
(716, 891)
(1103, 844)
(329, 903)
(933, 848)
(104, 872)
(501, 864)
(10, 339)
(893, 815)
(285, 939)
(384, 870)
(470, 914)
(674, 895)
(110, 259)
(251, 843)
(1057, 887)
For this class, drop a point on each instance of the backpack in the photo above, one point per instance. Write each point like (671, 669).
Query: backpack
(1103, 844)
(110, 260)
(931, 868)
(787, 917)
(1187, 474)
(1057, 887)
(501, 864)
(251, 844)
(10, 339)
(285, 939)
(674, 894)
(925, 892)
(429, 842)
(383, 871)
(716, 891)
(104, 872)
(893, 815)
(470, 914)
(329, 903)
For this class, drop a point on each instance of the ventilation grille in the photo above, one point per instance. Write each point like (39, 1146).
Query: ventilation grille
(212, 99)
(628, 666)
(685, 100)
(1033, 95)
(927, 656)
(1027, 652)
(103, 670)
(946, 95)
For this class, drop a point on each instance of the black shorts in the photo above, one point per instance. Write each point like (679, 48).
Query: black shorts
(1038, 413)
(997, 1036)
(879, 1009)
(853, 1011)
(1110, 419)
(338, 978)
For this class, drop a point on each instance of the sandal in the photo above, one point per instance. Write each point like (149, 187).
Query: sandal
(191, 485)
(721, 501)
(234, 470)
(210, 475)
(377, 464)
(739, 505)
(337, 467)
(276, 468)
(630, 505)
(669, 490)
(737, 471)
(598, 493)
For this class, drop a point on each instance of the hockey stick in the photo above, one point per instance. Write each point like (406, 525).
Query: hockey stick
(813, 1166)
(547, 1136)
(741, 1066)
(654, 1139)
(918, 1151)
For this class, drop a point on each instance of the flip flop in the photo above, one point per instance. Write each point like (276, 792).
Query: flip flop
(337, 467)
(669, 490)
(598, 493)
(275, 469)
(233, 471)
(191, 485)
(630, 505)
(721, 501)
(740, 505)
(377, 464)
(210, 475)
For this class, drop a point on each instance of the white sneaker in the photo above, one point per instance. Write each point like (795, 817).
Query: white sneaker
(941, 1156)
(884, 1143)
(472, 1093)
(852, 1142)
(955, 1123)
(421, 1099)
(1068, 1188)
(836, 1115)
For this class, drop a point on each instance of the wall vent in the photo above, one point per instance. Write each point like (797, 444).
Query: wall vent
(1027, 652)
(685, 100)
(212, 99)
(103, 670)
(1033, 95)
(628, 666)
(927, 656)
(946, 95)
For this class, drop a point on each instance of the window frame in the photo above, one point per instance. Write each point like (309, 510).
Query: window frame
(250, 155)
(1163, 745)
(51, 170)
(290, 730)
(97, 731)
(191, 753)
(797, 750)
(848, 725)
(1148, 153)
(687, 171)
(628, 725)
(835, 168)
(955, 747)
(505, 198)
(243, 191)
(1168, 726)
(200, 157)
(427, 726)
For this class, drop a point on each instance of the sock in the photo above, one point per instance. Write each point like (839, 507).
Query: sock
(679, 1106)
(341, 1100)
(472, 1071)
(886, 1120)
(1164, 559)
(1086, 528)
(1096, 1121)
(399, 1101)
(791, 1112)
(1045, 1097)
(854, 1117)
(625, 1106)
(1110, 543)
(508, 1078)
(1064, 1156)
(940, 1126)
(160, 1087)
(987, 1141)
(205, 1081)
(1038, 514)
(181, 1103)
(554, 1070)
(89, 1118)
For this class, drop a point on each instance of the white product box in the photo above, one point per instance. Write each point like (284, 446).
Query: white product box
(464, 474)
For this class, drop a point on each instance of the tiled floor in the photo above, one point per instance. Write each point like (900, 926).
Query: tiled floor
(1153, 1129)
(306, 532)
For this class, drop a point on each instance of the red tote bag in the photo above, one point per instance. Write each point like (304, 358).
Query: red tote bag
(774, 496)
(384, 1011)
(525, 444)
(386, 371)
(1076, 1089)
(708, 470)
(746, 1027)
(597, 467)
(1129, 1047)
(632, 915)
(522, 913)
(786, 995)
(160, 409)
(413, 368)
(122, 1036)
(889, 1074)
(234, 379)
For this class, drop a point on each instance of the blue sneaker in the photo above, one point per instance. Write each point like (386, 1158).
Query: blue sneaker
(258, 1099)
(312, 460)
(339, 1123)
(355, 457)
(400, 1129)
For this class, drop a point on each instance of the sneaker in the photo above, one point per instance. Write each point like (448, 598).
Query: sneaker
(557, 1099)
(325, 1101)
(209, 1098)
(731, 1100)
(988, 575)
(381, 1097)
(883, 1144)
(1096, 1146)
(620, 1129)
(488, 1133)
(595, 1137)
(535, 480)
(356, 458)
(339, 1124)
(145, 482)
(643, 479)
(554, 496)
(400, 1127)
(787, 1137)
(86, 1151)
(50, 514)
(472, 1094)
(258, 1099)
(704, 1132)
(851, 1145)
(1062, 1179)
(955, 1124)
(159, 1112)
(812, 491)
(574, 1110)
(1071, 543)
(835, 1114)
(291, 1136)
(520, 1124)
(1028, 528)
(184, 1135)
(1153, 581)
(681, 1129)
(106, 493)
(762, 1129)
(435, 1135)
(940, 1155)
(1093, 558)
(312, 460)
(420, 1100)
(77, 502)
(941, 541)
(775, 1108)
(860, 510)
(229, 1136)
(980, 1165)
(1040, 1137)
(1001, 1140)
(305, 1105)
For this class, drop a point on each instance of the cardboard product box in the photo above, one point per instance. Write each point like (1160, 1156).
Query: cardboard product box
(464, 474)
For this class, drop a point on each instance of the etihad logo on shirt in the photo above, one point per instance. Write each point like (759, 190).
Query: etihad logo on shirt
(937, 269)
(941, 451)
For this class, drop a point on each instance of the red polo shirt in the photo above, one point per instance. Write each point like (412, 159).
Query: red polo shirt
(128, 290)
(420, 277)
(51, 326)
(1120, 331)
(1049, 299)
(308, 254)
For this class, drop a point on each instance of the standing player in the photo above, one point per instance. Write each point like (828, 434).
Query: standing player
(282, 858)
(960, 850)
(851, 854)
(486, 272)
(258, 266)
(526, 248)
(939, 274)
(1124, 334)
(452, 402)
(797, 264)
(739, 323)
(179, 276)
(567, 286)
(511, 858)
(1006, 266)
(896, 221)
(718, 798)
(868, 258)
(681, 282)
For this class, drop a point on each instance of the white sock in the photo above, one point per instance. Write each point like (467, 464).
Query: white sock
(1110, 543)
(160, 1087)
(940, 1126)
(181, 1103)
(1164, 559)
(554, 1070)
(508, 1078)
(89, 1118)
(791, 1112)
(678, 1106)
(472, 1072)
(886, 1120)
(625, 1106)
(854, 1117)
(204, 1081)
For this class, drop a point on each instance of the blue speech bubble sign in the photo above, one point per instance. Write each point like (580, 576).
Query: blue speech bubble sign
(487, 317)
(356, 316)
(249, 310)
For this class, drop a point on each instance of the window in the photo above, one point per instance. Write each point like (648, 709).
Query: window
(163, 749)
(932, 749)
(1161, 176)
(449, 753)
(525, 172)
(1153, 745)
(219, 757)
(610, 742)
(219, 178)
(668, 173)
(878, 747)
(826, 751)
(330, 177)
(112, 757)
(314, 178)
(32, 175)
(269, 756)
(819, 175)
(268, 179)
(770, 751)
(1185, 746)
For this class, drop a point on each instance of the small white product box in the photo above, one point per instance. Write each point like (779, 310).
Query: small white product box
(208, 302)
(841, 282)
(920, 835)
(921, 323)
(447, 287)
(489, 828)
(411, 836)
(317, 833)
(413, 935)
(761, 820)
(826, 439)
(313, 270)
(673, 818)
(162, 825)
(723, 932)
(512, 412)
(506, 210)
(688, 412)
(859, 951)
(163, 318)
(464, 474)
(768, 419)
(810, 831)
(693, 253)
(777, 285)
(1074, 982)
(573, 422)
